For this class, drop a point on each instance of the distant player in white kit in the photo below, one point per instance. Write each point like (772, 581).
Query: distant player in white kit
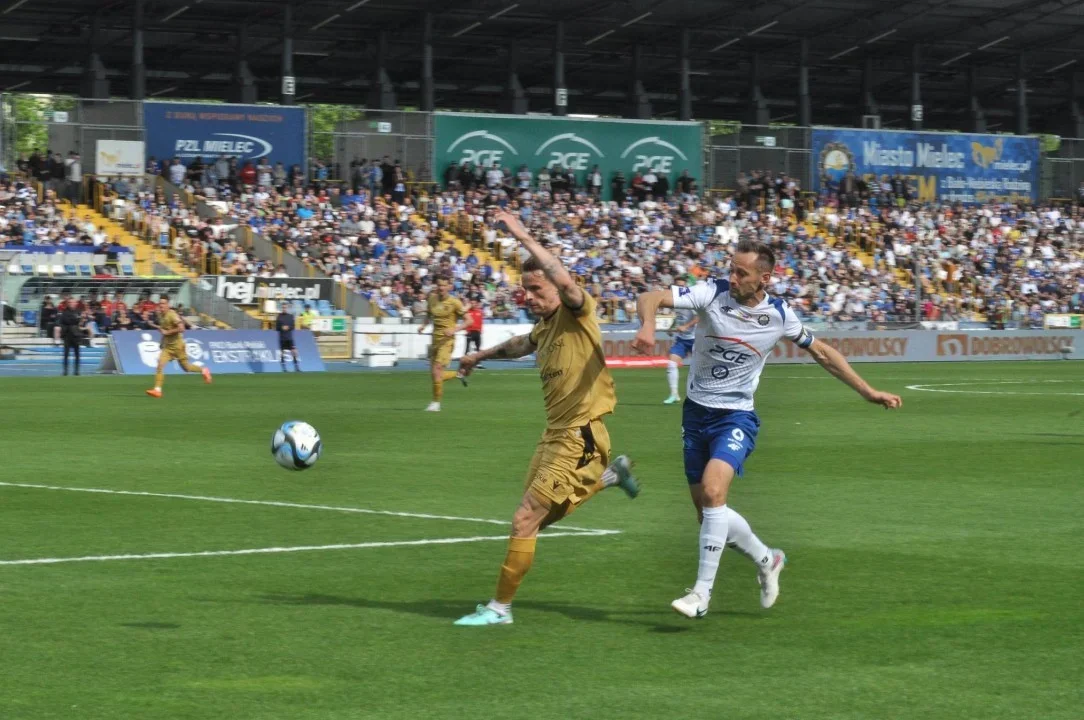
(684, 334)
(739, 325)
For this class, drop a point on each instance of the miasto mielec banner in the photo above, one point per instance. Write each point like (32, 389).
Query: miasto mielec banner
(512, 140)
(945, 167)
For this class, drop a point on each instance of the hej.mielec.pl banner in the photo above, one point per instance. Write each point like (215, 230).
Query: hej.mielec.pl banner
(510, 141)
(945, 167)
(208, 131)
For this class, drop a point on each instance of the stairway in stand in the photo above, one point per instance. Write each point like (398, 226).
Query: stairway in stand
(451, 239)
(146, 255)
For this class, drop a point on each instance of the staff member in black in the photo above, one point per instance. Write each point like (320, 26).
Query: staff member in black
(72, 331)
(284, 323)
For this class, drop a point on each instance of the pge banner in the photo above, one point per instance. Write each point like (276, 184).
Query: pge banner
(246, 290)
(247, 132)
(945, 167)
(627, 145)
(135, 352)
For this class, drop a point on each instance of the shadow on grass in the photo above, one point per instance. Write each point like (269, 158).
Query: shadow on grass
(654, 619)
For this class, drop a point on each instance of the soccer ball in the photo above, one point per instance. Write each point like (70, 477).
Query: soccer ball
(296, 445)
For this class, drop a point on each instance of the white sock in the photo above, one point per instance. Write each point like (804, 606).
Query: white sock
(672, 377)
(712, 541)
(741, 536)
(499, 607)
(158, 388)
(609, 478)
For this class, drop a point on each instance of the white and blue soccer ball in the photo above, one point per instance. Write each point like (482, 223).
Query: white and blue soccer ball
(296, 445)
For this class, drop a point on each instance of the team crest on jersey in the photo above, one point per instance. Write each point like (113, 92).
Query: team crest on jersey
(683, 291)
(763, 320)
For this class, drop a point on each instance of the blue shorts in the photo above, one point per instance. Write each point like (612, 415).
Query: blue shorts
(710, 433)
(681, 348)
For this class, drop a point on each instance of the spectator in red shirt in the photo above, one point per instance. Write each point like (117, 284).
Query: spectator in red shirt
(248, 174)
(474, 329)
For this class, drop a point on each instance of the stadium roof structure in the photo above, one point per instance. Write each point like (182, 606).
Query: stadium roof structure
(859, 55)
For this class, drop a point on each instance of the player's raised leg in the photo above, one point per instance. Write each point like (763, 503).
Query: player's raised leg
(740, 536)
(190, 367)
(769, 561)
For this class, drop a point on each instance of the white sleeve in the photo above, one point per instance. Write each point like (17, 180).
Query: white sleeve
(698, 296)
(794, 330)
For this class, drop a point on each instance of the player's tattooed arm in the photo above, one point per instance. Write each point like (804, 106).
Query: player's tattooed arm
(571, 293)
(517, 347)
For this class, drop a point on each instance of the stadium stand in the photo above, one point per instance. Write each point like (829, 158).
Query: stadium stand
(853, 254)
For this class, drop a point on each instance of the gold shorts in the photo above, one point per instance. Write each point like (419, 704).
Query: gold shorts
(173, 352)
(440, 352)
(568, 463)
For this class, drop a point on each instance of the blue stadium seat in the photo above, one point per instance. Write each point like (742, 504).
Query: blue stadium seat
(30, 317)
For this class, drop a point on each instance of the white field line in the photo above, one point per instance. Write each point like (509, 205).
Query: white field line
(300, 506)
(298, 548)
(940, 387)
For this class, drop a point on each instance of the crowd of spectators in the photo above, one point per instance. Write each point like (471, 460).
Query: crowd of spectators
(867, 252)
(101, 315)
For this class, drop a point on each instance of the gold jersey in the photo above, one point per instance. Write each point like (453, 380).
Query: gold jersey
(576, 384)
(169, 321)
(444, 313)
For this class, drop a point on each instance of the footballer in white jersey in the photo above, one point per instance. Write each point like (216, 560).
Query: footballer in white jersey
(739, 324)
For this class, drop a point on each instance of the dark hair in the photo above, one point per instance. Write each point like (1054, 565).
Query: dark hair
(530, 265)
(765, 255)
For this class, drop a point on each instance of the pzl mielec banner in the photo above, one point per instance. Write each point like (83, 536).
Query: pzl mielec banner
(511, 141)
(942, 167)
(208, 131)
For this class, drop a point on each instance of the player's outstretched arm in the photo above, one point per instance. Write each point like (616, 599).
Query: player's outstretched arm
(517, 347)
(647, 307)
(831, 360)
(571, 294)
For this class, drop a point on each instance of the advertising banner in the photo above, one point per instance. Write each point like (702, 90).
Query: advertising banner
(510, 141)
(244, 290)
(890, 346)
(135, 352)
(119, 157)
(856, 346)
(1055, 320)
(246, 132)
(410, 345)
(945, 167)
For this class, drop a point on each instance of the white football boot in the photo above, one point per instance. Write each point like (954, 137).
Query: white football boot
(769, 579)
(693, 605)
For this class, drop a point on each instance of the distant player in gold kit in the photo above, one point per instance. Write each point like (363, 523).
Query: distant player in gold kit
(171, 325)
(572, 461)
(443, 310)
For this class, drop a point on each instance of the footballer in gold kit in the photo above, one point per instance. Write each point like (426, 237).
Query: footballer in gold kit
(171, 326)
(572, 461)
(443, 309)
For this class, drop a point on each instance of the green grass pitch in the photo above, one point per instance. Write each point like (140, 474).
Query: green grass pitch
(935, 554)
